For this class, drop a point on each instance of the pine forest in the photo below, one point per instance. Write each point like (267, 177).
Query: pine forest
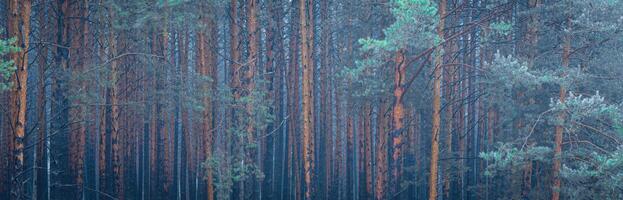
(311, 99)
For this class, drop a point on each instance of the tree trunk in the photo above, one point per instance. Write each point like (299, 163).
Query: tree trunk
(115, 136)
(350, 158)
(253, 160)
(432, 181)
(307, 62)
(293, 108)
(206, 63)
(39, 181)
(381, 154)
(76, 63)
(449, 77)
(566, 52)
(367, 132)
(19, 28)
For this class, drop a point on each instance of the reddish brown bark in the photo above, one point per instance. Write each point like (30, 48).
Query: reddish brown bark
(398, 115)
(325, 101)
(79, 40)
(438, 62)
(307, 63)
(367, 132)
(115, 136)
(153, 123)
(249, 87)
(206, 63)
(234, 33)
(350, 162)
(293, 110)
(381, 154)
(19, 28)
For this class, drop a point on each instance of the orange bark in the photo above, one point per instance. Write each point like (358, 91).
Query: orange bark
(398, 115)
(18, 27)
(252, 26)
(249, 87)
(78, 130)
(234, 31)
(206, 62)
(432, 181)
(307, 62)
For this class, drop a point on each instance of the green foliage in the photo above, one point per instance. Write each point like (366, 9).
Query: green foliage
(413, 28)
(506, 76)
(503, 28)
(592, 168)
(363, 78)
(583, 112)
(415, 25)
(580, 108)
(507, 157)
(600, 176)
(598, 15)
(223, 176)
(510, 73)
(6, 67)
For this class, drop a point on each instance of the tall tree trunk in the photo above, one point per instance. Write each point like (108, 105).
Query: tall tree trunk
(183, 148)
(77, 62)
(449, 122)
(325, 119)
(40, 170)
(236, 67)
(566, 52)
(381, 154)
(432, 181)
(152, 177)
(252, 157)
(398, 114)
(350, 158)
(306, 15)
(206, 64)
(115, 136)
(293, 107)
(234, 32)
(367, 132)
(19, 28)
(270, 75)
(450, 91)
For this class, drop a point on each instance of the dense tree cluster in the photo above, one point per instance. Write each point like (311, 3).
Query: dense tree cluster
(304, 99)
